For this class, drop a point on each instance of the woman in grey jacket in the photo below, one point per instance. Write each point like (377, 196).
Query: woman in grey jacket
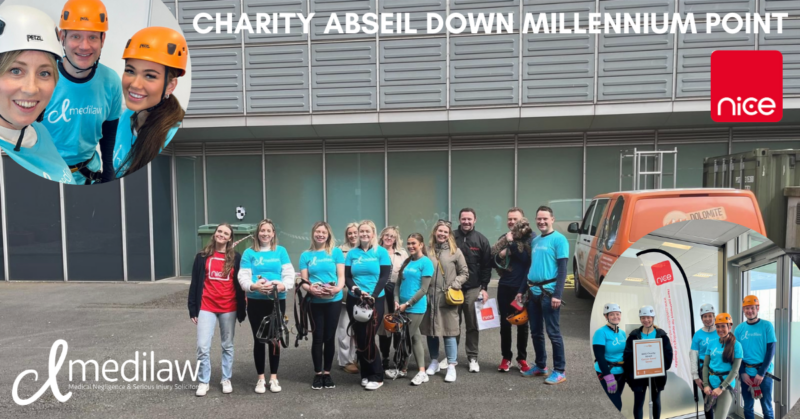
(390, 240)
(441, 319)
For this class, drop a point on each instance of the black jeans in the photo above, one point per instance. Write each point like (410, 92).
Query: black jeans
(256, 311)
(369, 358)
(505, 296)
(639, 400)
(616, 398)
(326, 318)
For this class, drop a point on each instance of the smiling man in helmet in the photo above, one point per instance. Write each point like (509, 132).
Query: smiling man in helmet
(757, 337)
(87, 102)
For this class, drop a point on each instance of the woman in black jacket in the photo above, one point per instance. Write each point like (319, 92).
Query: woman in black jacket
(648, 331)
(215, 296)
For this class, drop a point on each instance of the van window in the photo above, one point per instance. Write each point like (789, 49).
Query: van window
(598, 213)
(586, 218)
(613, 222)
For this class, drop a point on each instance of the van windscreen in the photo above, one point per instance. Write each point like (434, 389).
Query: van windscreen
(653, 213)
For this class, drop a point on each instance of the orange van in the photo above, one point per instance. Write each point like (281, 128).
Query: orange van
(614, 221)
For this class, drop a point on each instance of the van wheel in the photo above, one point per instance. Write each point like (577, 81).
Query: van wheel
(580, 292)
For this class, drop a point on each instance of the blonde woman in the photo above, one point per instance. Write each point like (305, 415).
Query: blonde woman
(265, 268)
(367, 269)
(347, 350)
(390, 240)
(441, 319)
(322, 271)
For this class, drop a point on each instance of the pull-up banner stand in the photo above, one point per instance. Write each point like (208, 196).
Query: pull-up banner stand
(673, 304)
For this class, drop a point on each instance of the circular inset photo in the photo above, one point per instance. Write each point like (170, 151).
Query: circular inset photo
(91, 90)
(699, 316)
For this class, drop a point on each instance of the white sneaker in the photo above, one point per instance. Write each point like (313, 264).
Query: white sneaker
(420, 378)
(373, 385)
(261, 386)
(202, 389)
(473, 365)
(451, 374)
(364, 382)
(443, 364)
(274, 386)
(435, 367)
(227, 388)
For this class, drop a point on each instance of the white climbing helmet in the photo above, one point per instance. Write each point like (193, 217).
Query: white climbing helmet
(26, 28)
(611, 307)
(362, 312)
(707, 308)
(647, 311)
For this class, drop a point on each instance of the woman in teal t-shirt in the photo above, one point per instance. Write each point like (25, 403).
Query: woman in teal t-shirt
(265, 267)
(608, 344)
(411, 298)
(322, 271)
(723, 358)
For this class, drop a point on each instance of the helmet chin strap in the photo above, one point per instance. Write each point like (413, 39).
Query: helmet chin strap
(78, 69)
(148, 110)
(22, 132)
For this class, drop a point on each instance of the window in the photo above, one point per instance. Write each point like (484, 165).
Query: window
(598, 213)
(613, 222)
(585, 224)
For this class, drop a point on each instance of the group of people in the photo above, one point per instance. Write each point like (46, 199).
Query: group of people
(720, 355)
(60, 104)
(372, 285)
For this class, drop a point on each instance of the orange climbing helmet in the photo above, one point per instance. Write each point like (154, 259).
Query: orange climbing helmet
(519, 318)
(392, 323)
(84, 15)
(723, 318)
(750, 300)
(160, 45)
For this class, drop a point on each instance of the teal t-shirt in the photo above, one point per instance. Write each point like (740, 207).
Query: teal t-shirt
(365, 266)
(268, 264)
(715, 350)
(545, 251)
(700, 343)
(754, 339)
(42, 159)
(322, 270)
(76, 113)
(651, 335)
(412, 282)
(125, 139)
(614, 344)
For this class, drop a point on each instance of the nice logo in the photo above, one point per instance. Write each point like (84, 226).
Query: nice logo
(746, 86)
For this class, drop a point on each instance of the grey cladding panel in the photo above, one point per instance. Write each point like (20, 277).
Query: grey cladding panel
(791, 66)
(489, 70)
(792, 7)
(635, 63)
(482, 4)
(790, 34)
(278, 101)
(510, 22)
(694, 84)
(217, 81)
(409, 6)
(721, 7)
(484, 46)
(277, 78)
(252, 7)
(215, 103)
(558, 44)
(582, 8)
(363, 75)
(319, 23)
(558, 67)
(216, 59)
(327, 7)
(417, 21)
(428, 96)
(616, 42)
(717, 38)
(170, 5)
(480, 94)
(659, 7)
(187, 11)
(345, 53)
(697, 60)
(359, 98)
(275, 56)
(562, 90)
(412, 74)
(413, 50)
(657, 86)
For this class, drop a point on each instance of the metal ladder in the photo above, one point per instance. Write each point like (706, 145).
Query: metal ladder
(645, 157)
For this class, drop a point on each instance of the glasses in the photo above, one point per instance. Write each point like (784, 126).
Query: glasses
(445, 222)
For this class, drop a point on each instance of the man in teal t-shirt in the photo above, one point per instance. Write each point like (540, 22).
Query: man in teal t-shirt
(546, 278)
(87, 102)
(757, 337)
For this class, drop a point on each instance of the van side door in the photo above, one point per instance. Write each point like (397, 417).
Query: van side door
(590, 240)
(583, 243)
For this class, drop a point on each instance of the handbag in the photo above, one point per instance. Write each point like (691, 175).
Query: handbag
(452, 296)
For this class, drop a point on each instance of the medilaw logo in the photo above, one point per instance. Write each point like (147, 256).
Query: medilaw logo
(746, 86)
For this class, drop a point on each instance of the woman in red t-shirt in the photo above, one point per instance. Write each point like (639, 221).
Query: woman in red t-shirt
(215, 296)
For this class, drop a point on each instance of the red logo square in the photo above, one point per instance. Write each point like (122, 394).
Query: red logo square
(746, 86)
(487, 314)
(662, 272)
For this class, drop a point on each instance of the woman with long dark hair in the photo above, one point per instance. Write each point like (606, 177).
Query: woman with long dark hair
(216, 297)
(265, 268)
(154, 59)
(648, 330)
(322, 273)
(721, 366)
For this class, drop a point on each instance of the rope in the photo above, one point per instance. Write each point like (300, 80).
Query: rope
(303, 321)
(403, 351)
(372, 329)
